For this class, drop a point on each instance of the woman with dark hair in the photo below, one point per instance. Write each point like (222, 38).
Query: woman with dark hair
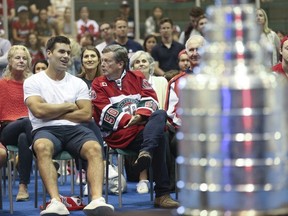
(91, 68)
(36, 51)
(91, 64)
(149, 42)
(39, 65)
(194, 14)
(152, 23)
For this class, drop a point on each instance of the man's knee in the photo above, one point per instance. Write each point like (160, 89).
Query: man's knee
(91, 149)
(162, 114)
(43, 147)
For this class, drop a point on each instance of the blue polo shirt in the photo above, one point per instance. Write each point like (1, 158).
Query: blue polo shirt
(167, 57)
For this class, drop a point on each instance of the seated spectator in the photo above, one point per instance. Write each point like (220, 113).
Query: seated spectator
(58, 7)
(152, 23)
(35, 6)
(86, 26)
(15, 125)
(33, 44)
(194, 13)
(166, 52)
(5, 46)
(22, 26)
(43, 27)
(40, 65)
(91, 65)
(86, 40)
(56, 126)
(183, 62)
(125, 12)
(91, 68)
(172, 100)
(126, 110)
(149, 42)
(143, 61)
(74, 65)
(107, 35)
(200, 24)
(65, 27)
(282, 66)
(121, 36)
(281, 34)
(269, 38)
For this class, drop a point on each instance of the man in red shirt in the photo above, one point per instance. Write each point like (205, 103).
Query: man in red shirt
(126, 110)
(282, 67)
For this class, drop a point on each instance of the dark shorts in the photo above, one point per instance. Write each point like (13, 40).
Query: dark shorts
(64, 137)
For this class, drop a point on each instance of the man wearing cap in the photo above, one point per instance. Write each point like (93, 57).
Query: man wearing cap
(22, 27)
(282, 67)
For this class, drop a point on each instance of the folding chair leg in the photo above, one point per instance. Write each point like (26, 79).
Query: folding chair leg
(106, 174)
(1, 201)
(10, 187)
(120, 170)
(36, 184)
(151, 183)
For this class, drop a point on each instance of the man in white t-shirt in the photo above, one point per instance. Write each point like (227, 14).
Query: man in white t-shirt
(58, 102)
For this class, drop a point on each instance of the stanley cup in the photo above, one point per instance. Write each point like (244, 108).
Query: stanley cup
(233, 140)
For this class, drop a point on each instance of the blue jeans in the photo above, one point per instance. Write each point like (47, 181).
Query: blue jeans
(154, 140)
(18, 133)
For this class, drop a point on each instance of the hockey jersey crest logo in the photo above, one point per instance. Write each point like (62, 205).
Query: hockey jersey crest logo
(92, 94)
(146, 84)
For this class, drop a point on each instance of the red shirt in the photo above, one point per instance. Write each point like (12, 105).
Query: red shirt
(10, 5)
(279, 69)
(12, 104)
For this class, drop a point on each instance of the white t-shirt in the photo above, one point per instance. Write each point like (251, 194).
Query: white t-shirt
(69, 89)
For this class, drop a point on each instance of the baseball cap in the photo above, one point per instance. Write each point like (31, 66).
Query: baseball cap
(124, 4)
(22, 8)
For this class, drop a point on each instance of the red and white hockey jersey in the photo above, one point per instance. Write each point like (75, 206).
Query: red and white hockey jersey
(172, 100)
(114, 103)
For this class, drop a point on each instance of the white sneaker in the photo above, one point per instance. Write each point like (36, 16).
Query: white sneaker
(142, 187)
(55, 208)
(83, 177)
(98, 207)
(85, 191)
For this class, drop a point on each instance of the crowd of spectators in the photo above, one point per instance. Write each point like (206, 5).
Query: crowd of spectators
(164, 56)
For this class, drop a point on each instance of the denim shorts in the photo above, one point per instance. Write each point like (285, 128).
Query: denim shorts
(66, 137)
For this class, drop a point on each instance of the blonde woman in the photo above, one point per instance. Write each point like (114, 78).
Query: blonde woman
(269, 36)
(15, 126)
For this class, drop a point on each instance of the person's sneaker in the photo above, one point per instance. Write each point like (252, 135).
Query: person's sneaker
(99, 207)
(55, 208)
(85, 191)
(83, 173)
(143, 161)
(142, 187)
(22, 195)
(165, 201)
